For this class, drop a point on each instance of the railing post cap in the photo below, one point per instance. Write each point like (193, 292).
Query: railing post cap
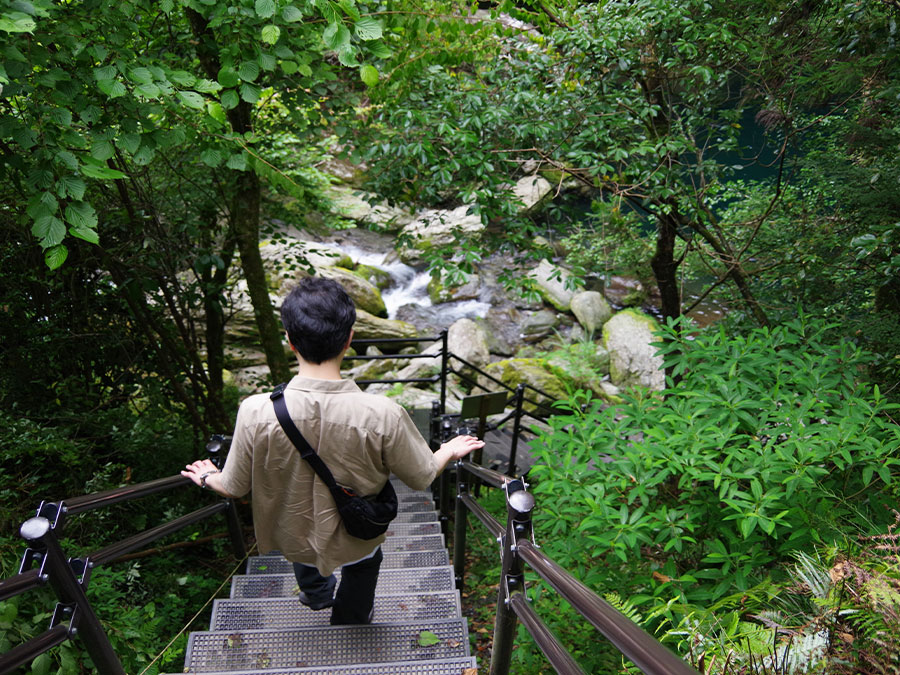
(34, 528)
(522, 501)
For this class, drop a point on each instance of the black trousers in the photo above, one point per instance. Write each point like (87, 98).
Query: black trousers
(355, 597)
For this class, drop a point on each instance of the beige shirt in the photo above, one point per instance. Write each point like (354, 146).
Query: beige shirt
(362, 438)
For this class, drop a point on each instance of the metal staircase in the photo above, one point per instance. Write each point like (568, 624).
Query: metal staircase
(418, 629)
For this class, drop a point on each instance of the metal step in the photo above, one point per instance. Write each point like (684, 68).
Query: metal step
(392, 561)
(390, 582)
(457, 666)
(413, 529)
(324, 646)
(274, 613)
(415, 506)
(416, 517)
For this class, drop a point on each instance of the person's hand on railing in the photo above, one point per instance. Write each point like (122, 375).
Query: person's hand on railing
(454, 449)
(205, 474)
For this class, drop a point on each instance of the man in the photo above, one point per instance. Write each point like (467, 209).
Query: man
(362, 438)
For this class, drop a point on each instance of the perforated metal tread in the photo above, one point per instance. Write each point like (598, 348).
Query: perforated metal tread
(398, 540)
(415, 506)
(455, 666)
(413, 529)
(324, 646)
(392, 561)
(416, 517)
(390, 582)
(274, 613)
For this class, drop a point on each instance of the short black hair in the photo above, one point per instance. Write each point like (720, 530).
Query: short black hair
(318, 316)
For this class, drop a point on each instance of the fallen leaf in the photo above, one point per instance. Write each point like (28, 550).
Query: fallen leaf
(233, 641)
(403, 606)
(482, 630)
(453, 643)
(661, 577)
(427, 639)
(470, 671)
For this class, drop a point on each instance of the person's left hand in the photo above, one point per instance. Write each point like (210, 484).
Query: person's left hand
(197, 469)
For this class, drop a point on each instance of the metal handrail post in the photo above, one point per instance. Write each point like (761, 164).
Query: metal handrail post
(445, 362)
(38, 533)
(459, 528)
(519, 507)
(235, 531)
(517, 429)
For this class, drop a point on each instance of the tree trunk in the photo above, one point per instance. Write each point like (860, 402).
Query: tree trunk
(665, 267)
(245, 214)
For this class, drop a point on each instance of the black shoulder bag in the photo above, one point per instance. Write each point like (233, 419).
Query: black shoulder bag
(364, 517)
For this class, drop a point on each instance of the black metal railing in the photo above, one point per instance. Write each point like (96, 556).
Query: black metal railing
(519, 549)
(45, 562)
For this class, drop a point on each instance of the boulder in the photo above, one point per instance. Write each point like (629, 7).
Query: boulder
(415, 368)
(356, 206)
(364, 294)
(379, 278)
(368, 327)
(439, 227)
(632, 359)
(538, 325)
(531, 191)
(583, 366)
(532, 372)
(467, 340)
(551, 284)
(591, 309)
(439, 290)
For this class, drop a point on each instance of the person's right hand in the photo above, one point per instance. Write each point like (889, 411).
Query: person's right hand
(460, 446)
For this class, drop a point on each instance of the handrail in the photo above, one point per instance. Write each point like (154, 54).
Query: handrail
(19, 584)
(518, 548)
(634, 642)
(45, 562)
(124, 493)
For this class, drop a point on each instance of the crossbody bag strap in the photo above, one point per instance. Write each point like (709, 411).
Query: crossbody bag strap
(293, 433)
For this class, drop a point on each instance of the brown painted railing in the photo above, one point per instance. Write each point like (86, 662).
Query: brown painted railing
(44, 562)
(518, 549)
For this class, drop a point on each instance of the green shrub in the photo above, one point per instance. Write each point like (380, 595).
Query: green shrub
(768, 444)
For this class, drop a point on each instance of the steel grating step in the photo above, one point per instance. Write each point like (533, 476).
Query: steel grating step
(417, 517)
(324, 646)
(392, 561)
(457, 666)
(403, 497)
(416, 506)
(413, 529)
(275, 613)
(390, 582)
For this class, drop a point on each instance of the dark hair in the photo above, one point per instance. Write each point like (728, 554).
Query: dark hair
(318, 316)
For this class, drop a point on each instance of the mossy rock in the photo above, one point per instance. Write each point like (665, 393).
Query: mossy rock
(628, 337)
(532, 372)
(364, 294)
(379, 278)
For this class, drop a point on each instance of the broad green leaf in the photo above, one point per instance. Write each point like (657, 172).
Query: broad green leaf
(70, 186)
(16, 22)
(265, 8)
(112, 88)
(369, 75)
(368, 28)
(349, 7)
(289, 67)
(86, 234)
(229, 99)
(96, 171)
(182, 78)
(228, 77)
(347, 55)
(329, 10)
(250, 92)
(67, 159)
(144, 155)
(140, 76)
(167, 6)
(207, 86)
(55, 256)
(270, 34)
(304, 69)
(249, 71)
(129, 142)
(267, 61)
(49, 229)
(216, 111)
(61, 116)
(211, 157)
(381, 50)
(335, 36)
(427, 639)
(192, 99)
(283, 52)
(148, 90)
(4, 78)
(291, 14)
(237, 161)
(81, 215)
(41, 665)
